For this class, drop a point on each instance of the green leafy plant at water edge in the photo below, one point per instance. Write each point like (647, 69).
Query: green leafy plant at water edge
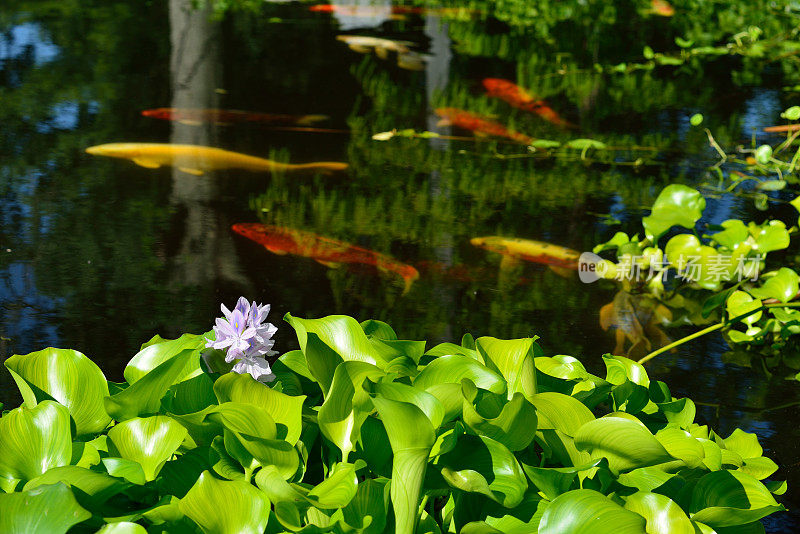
(716, 275)
(359, 431)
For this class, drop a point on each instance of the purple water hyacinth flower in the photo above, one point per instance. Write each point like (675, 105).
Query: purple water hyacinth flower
(246, 338)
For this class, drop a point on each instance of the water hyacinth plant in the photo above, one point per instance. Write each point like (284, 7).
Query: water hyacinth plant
(362, 432)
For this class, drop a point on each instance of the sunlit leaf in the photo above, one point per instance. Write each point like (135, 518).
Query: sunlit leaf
(68, 377)
(33, 440)
(663, 515)
(676, 205)
(411, 436)
(150, 441)
(626, 444)
(731, 498)
(514, 359)
(587, 511)
(226, 507)
(47, 509)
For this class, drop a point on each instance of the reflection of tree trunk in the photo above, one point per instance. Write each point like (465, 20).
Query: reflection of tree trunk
(437, 72)
(206, 250)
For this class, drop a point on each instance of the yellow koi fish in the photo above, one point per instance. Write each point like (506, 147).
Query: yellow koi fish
(559, 259)
(198, 160)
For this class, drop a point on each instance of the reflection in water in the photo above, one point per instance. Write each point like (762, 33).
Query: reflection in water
(636, 319)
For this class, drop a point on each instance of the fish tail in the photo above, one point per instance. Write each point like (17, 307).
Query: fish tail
(308, 120)
(323, 167)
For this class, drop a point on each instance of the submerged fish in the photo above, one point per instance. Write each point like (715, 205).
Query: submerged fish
(324, 250)
(479, 125)
(559, 259)
(518, 97)
(198, 160)
(662, 8)
(396, 11)
(358, 11)
(227, 116)
(406, 58)
(636, 319)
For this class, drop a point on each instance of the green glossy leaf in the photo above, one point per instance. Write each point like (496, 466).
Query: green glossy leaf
(553, 481)
(783, 286)
(454, 368)
(744, 443)
(734, 232)
(337, 490)
(129, 470)
(682, 445)
(587, 511)
(47, 509)
(144, 396)
(663, 515)
(98, 486)
(69, 378)
(561, 412)
(285, 410)
(411, 436)
(251, 438)
(514, 426)
(226, 507)
(769, 236)
(341, 333)
(627, 444)
(123, 527)
(33, 440)
(485, 466)
(149, 441)
(563, 367)
(731, 498)
(514, 359)
(370, 504)
(347, 404)
(739, 304)
(158, 350)
(676, 205)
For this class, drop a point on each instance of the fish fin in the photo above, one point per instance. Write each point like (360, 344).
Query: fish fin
(277, 251)
(563, 272)
(186, 122)
(619, 348)
(607, 316)
(328, 264)
(358, 48)
(407, 282)
(189, 170)
(444, 122)
(146, 163)
(508, 263)
(381, 52)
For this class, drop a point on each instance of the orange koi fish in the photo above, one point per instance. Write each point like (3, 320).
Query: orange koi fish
(636, 319)
(662, 8)
(324, 250)
(193, 116)
(517, 97)
(479, 125)
(197, 160)
(782, 128)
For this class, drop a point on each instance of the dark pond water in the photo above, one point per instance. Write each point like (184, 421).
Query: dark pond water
(99, 254)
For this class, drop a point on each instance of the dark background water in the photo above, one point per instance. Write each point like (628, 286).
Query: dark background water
(99, 254)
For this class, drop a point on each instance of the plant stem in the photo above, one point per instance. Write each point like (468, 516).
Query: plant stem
(681, 342)
(715, 327)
